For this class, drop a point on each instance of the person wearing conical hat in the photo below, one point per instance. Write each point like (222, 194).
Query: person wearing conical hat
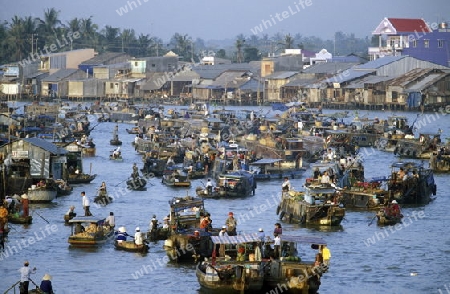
(46, 284)
(121, 235)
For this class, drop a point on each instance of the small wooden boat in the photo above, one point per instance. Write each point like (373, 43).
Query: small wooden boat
(16, 218)
(89, 231)
(102, 198)
(81, 178)
(115, 140)
(134, 131)
(383, 220)
(137, 184)
(88, 151)
(115, 158)
(131, 247)
(62, 188)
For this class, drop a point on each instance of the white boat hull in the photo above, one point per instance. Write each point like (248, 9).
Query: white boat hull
(41, 196)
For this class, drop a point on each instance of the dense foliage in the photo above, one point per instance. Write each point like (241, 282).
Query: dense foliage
(19, 37)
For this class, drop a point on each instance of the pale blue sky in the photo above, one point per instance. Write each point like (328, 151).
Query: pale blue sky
(226, 19)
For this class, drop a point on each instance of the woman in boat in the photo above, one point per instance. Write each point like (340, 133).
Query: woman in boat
(395, 209)
(71, 213)
(122, 235)
(278, 229)
(46, 285)
(102, 189)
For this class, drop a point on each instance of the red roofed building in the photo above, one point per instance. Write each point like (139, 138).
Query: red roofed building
(413, 37)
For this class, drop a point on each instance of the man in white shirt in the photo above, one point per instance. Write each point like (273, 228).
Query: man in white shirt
(25, 273)
(325, 178)
(286, 186)
(110, 220)
(276, 246)
(86, 204)
(223, 232)
(138, 237)
(209, 187)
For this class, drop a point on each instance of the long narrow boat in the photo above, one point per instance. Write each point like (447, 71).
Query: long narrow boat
(81, 178)
(131, 247)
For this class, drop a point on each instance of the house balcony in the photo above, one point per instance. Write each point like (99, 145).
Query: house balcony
(385, 51)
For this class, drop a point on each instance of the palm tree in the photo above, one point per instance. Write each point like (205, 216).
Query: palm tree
(288, 41)
(111, 39)
(144, 42)
(240, 41)
(48, 26)
(183, 44)
(89, 32)
(15, 39)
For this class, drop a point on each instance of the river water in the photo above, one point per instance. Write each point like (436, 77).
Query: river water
(365, 259)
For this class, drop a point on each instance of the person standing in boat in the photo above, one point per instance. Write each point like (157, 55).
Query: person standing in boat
(25, 273)
(209, 187)
(86, 204)
(102, 189)
(25, 205)
(231, 223)
(326, 254)
(395, 209)
(286, 186)
(278, 229)
(261, 235)
(276, 245)
(135, 173)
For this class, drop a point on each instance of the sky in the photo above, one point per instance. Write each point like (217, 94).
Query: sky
(216, 20)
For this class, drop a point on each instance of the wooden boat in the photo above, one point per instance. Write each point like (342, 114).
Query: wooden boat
(88, 151)
(239, 183)
(117, 158)
(270, 169)
(176, 178)
(235, 273)
(317, 205)
(134, 131)
(42, 194)
(440, 161)
(159, 233)
(81, 178)
(416, 187)
(131, 247)
(16, 218)
(115, 139)
(137, 184)
(420, 148)
(298, 276)
(384, 220)
(62, 188)
(184, 229)
(94, 232)
(102, 198)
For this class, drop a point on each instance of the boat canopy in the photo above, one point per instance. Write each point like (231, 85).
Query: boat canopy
(239, 239)
(266, 161)
(303, 239)
(86, 219)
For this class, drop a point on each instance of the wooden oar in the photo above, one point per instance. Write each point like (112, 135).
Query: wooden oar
(372, 220)
(41, 217)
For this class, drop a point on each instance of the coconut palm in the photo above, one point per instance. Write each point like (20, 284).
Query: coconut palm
(240, 41)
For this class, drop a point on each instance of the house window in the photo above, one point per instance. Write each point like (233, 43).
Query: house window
(414, 43)
(153, 65)
(440, 43)
(135, 63)
(426, 43)
(111, 85)
(394, 96)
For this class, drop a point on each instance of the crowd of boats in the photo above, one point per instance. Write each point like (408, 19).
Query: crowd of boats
(231, 151)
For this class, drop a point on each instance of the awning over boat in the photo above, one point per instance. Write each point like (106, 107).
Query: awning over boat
(86, 219)
(303, 239)
(239, 239)
(266, 161)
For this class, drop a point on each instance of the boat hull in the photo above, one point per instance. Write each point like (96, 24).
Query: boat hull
(81, 179)
(41, 195)
(232, 278)
(115, 142)
(20, 219)
(129, 246)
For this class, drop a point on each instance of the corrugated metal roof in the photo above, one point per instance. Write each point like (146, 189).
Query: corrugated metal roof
(377, 63)
(348, 75)
(60, 75)
(252, 85)
(185, 76)
(359, 84)
(281, 75)
(213, 71)
(34, 75)
(300, 82)
(239, 239)
(46, 145)
(329, 67)
(155, 81)
(425, 82)
(410, 77)
(103, 58)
